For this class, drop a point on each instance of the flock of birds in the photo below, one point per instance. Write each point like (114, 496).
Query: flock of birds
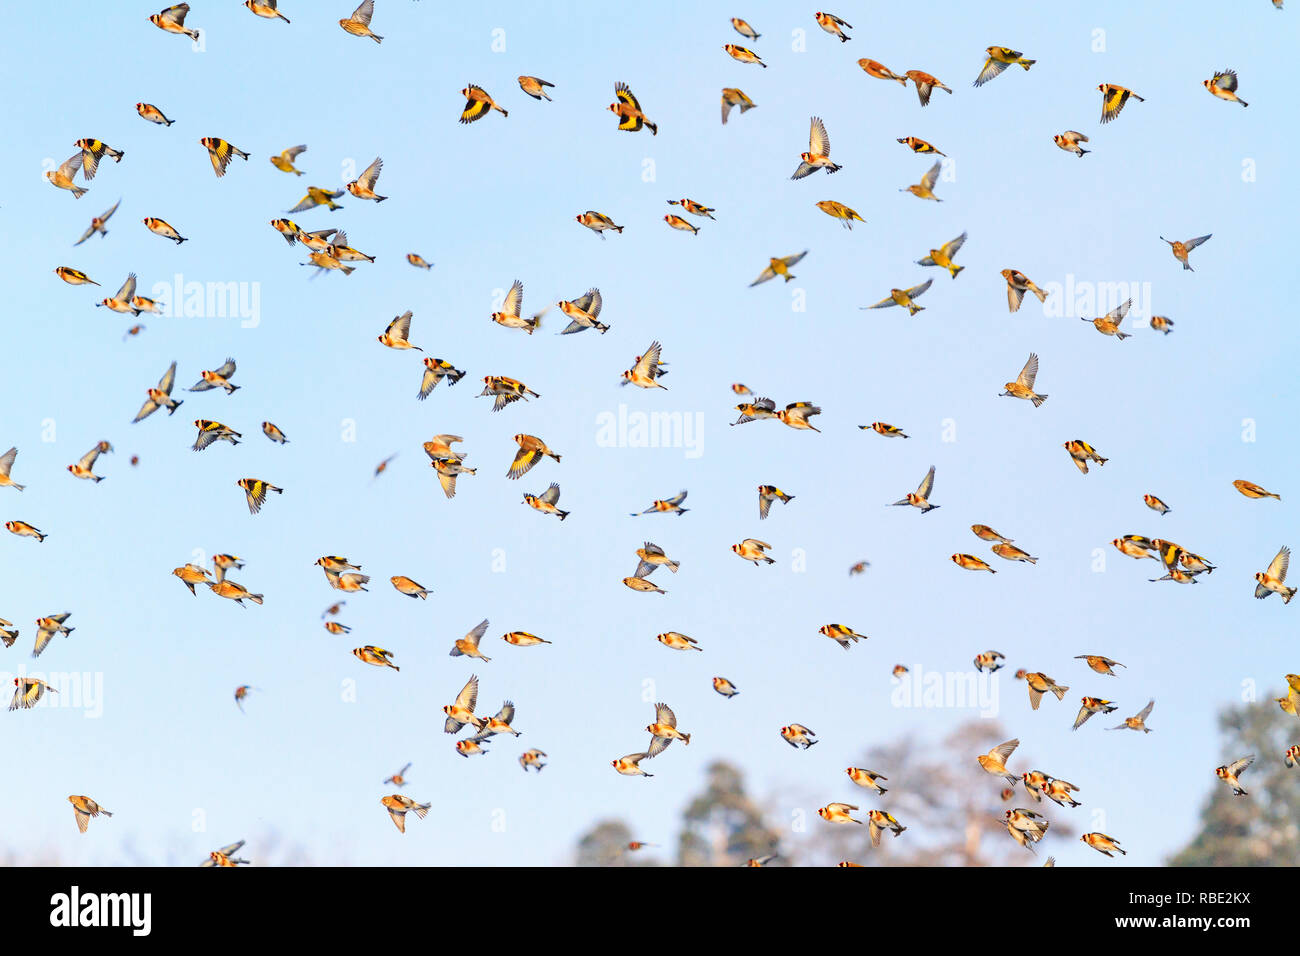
(328, 250)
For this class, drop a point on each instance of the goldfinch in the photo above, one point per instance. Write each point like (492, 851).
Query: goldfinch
(628, 111)
(1113, 99)
(221, 152)
(1224, 86)
(255, 491)
(172, 20)
(363, 187)
(818, 155)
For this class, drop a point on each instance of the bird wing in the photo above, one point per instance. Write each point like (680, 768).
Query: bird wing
(927, 484)
(1237, 766)
(1029, 372)
(364, 12)
(819, 143)
(1005, 750)
(525, 458)
(147, 409)
(168, 380)
(552, 494)
(590, 303)
(991, 69)
(950, 249)
(678, 498)
(402, 324)
(513, 304)
(468, 695)
(1191, 244)
(88, 459)
(646, 365)
(763, 276)
(371, 174)
(1117, 315)
(625, 96)
(1145, 712)
(932, 175)
(1278, 566)
(1227, 80)
(918, 290)
(473, 637)
(72, 164)
(125, 293)
(664, 715)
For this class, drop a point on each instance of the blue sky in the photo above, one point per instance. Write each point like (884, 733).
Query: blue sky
(495, 201)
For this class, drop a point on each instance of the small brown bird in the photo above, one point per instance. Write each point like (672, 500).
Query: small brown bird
(995, 761)
(925, 85)
(1252, 490)
(1181, 249)
(359, 23)
(1102, 665)
(1017, 285)
(918, 145)
(535, 87)
(1138, 721)
(398, 805)
(880, 71)
(84, 808)
(985, 533)
(1011, 553)
(1040, 684)
(1023, 386)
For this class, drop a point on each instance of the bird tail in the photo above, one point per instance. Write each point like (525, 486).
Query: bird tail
(1026, 63)
(562, 514)
(1187, 266)
(1038, 400)
(654, 131)
(1082, 151)
(1243, 102)
(105, 812)
(673, 566)
(686, 739)
(255, 598)
(376, 38)
(1286, 598)
(955, 269)
(1042, 296)
(618, 229)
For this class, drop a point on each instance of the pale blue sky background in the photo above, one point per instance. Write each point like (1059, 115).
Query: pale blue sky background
(495, 201)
